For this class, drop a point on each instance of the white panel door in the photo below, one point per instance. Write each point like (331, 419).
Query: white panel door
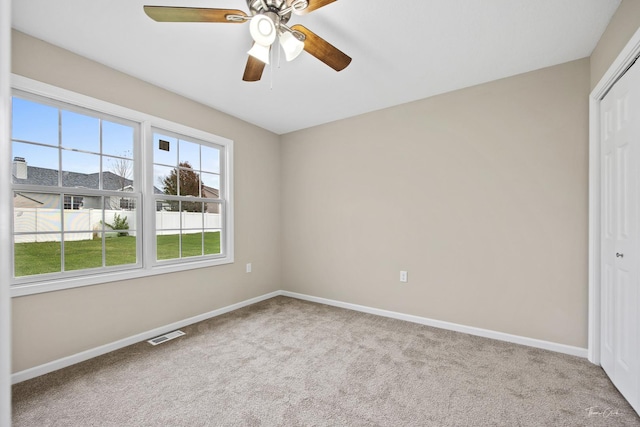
(620, 294)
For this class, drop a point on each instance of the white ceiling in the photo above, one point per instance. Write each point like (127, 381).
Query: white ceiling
(402, 50)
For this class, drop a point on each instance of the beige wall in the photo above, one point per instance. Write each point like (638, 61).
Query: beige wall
(481, 194)
(57, 324)
(623, 25)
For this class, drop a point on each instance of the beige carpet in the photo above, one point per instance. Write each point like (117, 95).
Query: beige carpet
(285, 362)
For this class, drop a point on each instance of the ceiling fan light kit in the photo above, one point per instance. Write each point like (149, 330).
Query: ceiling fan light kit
(260, 52)
(263, 28)
(267, 21)
(291, 45)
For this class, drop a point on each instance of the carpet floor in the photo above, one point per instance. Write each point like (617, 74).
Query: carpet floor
(286, 362)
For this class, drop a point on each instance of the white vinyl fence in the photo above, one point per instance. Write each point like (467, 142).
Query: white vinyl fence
(83, 224)
(169, 222)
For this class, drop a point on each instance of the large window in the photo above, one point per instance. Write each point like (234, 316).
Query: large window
(102, 193)
(69, 166)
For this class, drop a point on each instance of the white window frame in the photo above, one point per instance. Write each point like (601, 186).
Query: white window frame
(64, 192)
(223, 168)
(148, 266)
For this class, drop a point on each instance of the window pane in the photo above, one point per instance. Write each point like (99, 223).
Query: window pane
(191, 243)
(82, 250)
(189, 183)
(36, 254)
(191, 220)
(120, 249)
(80, 132)
(117, 174)
(36, 212)
(190, 154)
(168, 246)
(211, 242)
(164, 178)
(80, 169)
(34, 164)
(165, 150)
(78, 218)
(211, 189)
(117, 139)
(167, 219)
(117, 223)
(34, 122)
(212, 218)
(210, 159)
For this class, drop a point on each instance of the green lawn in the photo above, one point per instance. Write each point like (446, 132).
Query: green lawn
(40, 258)
(169, 247)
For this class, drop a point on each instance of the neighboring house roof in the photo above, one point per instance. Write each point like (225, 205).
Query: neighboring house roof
(22, 201)
(211, 192)
(49, 177)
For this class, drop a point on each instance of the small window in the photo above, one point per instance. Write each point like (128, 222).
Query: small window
(189, 202)
(72, 202)
(127, 203)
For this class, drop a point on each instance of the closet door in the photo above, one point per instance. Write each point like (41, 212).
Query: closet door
(620, 298)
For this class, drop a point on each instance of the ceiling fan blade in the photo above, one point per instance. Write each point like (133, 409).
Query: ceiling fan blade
(313, 5)
(253, 70)
(191, 14)
(323, 50)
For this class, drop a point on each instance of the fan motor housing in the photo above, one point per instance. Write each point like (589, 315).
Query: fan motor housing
(257, 7)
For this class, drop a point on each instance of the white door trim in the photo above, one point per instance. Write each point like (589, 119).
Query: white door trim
(624, 60)
(5, 215)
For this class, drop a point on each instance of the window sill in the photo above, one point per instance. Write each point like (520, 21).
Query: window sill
(58, 284)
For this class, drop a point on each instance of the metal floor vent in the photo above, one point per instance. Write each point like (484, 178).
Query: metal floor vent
(165, 337)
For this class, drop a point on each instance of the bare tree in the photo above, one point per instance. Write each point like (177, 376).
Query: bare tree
(122, 168)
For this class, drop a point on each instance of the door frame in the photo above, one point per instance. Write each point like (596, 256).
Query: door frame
(5, 214)
(624, 60)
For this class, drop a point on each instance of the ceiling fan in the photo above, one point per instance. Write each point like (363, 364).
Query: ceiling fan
(267, 22)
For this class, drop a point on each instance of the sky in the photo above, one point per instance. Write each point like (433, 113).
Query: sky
(38, 130)
(46, 135)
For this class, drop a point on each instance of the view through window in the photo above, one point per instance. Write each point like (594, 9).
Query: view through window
(189, 203)
(70, 172)
(108, 194)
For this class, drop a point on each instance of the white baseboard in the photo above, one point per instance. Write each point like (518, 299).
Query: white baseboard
(98, 351)
(103, 349)
(501, 336)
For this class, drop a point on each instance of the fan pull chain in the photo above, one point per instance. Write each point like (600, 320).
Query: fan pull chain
(279, 55)
(271, 68)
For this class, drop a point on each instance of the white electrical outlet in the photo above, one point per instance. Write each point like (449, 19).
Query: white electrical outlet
(248, 267)
(404, 276)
